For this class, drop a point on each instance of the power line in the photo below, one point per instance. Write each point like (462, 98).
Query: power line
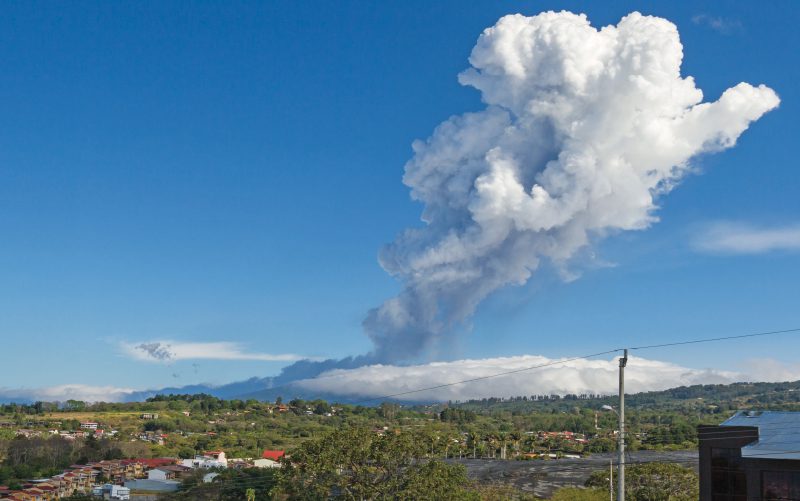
(714, 339)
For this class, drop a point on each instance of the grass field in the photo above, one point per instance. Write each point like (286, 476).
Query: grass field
(84, 416)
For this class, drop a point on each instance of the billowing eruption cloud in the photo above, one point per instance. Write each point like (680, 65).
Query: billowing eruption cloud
(582, 131)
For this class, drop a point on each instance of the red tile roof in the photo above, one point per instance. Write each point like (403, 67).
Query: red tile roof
(156, 462)
(273, 455)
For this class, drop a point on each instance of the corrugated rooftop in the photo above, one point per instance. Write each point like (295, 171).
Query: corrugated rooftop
(778, 433)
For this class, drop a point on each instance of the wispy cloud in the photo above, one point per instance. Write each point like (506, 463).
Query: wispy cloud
(173, 351)
(744, 238)
(576, 376)
(718, 24)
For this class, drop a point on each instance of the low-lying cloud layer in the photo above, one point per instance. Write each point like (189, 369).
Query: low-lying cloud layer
(583, 130)
(64, 392)
(173, 351)
(576, 377)
(744, 238)
(598, 376)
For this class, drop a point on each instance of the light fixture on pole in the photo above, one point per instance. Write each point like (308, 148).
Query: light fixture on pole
(610, 461)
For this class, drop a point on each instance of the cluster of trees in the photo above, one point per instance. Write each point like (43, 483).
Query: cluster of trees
(230, 485)
(357, 463)
(245, 427)
(652, 482)
(455, 415)
(488, 402)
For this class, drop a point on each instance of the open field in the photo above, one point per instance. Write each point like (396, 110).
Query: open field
(90, 416)
(543, 478)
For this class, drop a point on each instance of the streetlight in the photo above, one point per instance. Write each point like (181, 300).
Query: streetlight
(610, 461)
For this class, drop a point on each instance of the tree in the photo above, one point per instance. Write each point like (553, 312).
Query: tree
(75, 405)
(356, 463)
(388, 410)
(322, 407)
(653, 482)
(515, 437)
(503, 438)
(435, 481)
(473, 438)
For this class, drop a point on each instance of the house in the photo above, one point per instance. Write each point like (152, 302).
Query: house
(265, 463)
(89, 425)
(156, 462)
(112, 491)
(269, 459)
(751, 456)
(160, 474)
(149, 415)
(167, 472)
(209, 459)
(151, 436)
(153, 486)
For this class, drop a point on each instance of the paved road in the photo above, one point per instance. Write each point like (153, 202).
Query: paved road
(545, 477)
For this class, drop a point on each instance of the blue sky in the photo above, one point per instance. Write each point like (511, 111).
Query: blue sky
(223, 172)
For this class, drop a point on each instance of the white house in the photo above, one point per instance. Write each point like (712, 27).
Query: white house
(269, 459)
(266, 463)
(210, 459)
(159, 474)
(119, 492)
(89, 425)
(113, 491)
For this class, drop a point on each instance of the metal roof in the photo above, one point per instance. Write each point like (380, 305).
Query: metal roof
(778, 433)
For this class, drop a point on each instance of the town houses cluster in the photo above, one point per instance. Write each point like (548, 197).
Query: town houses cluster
(117, 479)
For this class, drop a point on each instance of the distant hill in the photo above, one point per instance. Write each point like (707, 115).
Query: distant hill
(265, 389)
(724, 397)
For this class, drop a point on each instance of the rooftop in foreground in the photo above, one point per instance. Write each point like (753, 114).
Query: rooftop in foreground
(778, 433)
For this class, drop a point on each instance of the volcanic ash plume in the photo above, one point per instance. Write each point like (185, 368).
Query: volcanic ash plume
(582, 130)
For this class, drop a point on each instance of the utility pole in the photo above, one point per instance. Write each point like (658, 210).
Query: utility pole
(621, 447)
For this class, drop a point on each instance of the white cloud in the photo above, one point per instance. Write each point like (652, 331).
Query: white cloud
(577, 376)
(172, 351)
(66, 392)
(768, 369)
(718, 24)
(743, 238)
(583, 130)
(597, 376)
